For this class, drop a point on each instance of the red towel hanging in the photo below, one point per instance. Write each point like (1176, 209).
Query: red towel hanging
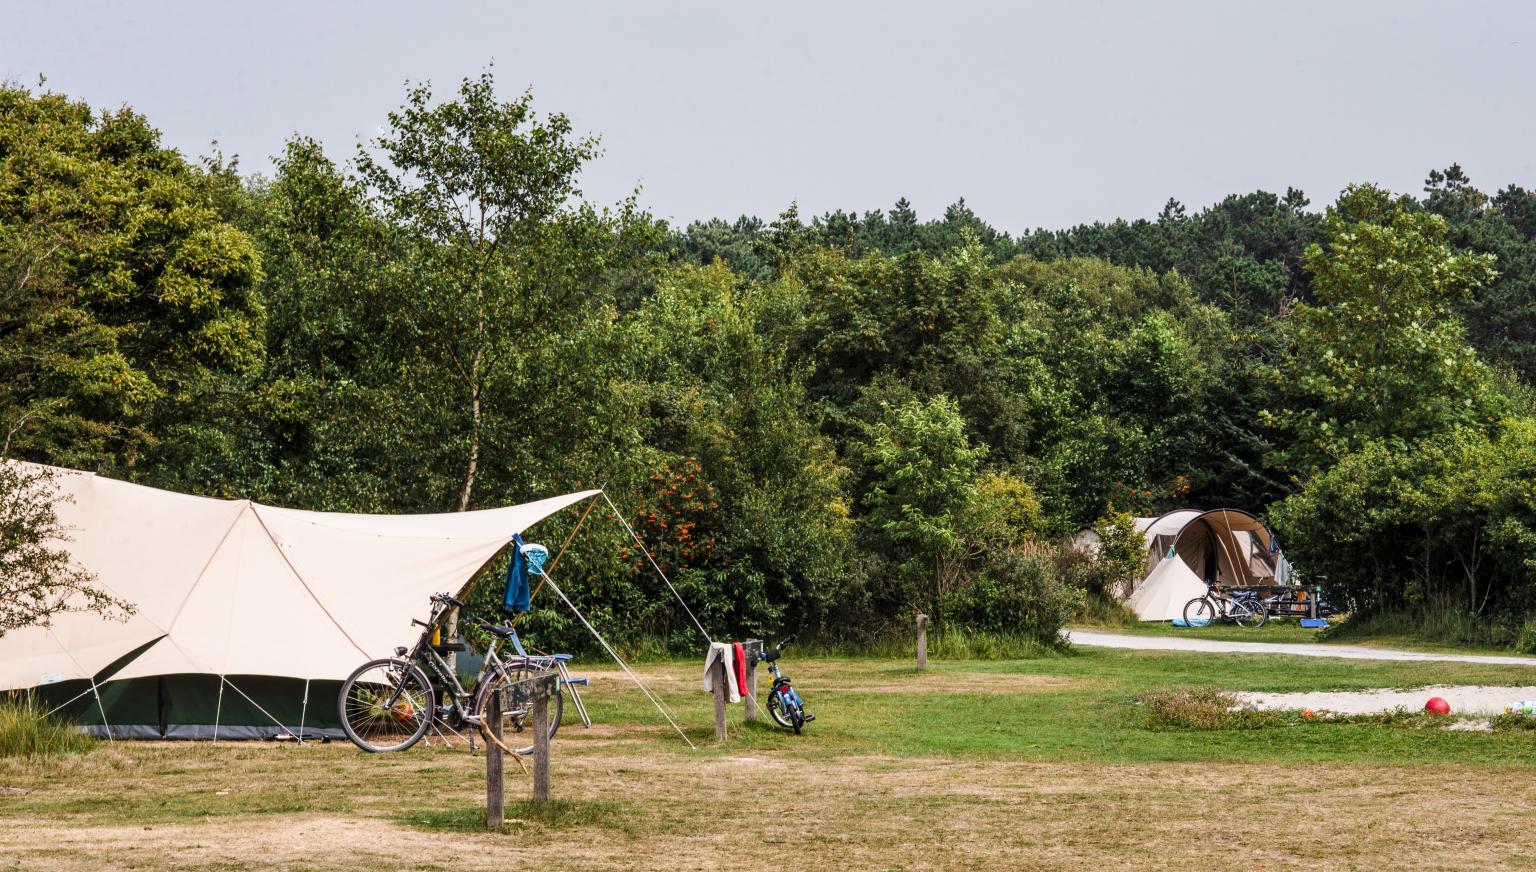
(741, 667)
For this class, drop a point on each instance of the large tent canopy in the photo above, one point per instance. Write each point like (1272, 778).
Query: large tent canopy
(232, 587)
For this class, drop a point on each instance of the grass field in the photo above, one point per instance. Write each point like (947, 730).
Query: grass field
(1045, 763)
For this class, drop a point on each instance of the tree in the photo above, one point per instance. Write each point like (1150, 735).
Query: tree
(38, 579)
(922, 475)
(502, 254)
(1384, 354)
(728, 418)
(124, 297)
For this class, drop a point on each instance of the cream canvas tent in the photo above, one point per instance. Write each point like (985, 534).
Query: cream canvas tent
(1188, 549)
(241, 607)
(1162, 594)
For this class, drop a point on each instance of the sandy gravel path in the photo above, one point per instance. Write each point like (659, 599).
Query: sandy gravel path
(1349, 652)
(1465, 699)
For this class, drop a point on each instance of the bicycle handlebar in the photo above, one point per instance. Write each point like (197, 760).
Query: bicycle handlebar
(447, 600)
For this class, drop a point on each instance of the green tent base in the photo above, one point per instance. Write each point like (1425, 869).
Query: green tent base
(194, 706)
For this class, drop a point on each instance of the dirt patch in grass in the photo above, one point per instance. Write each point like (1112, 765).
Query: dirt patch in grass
(628, 808)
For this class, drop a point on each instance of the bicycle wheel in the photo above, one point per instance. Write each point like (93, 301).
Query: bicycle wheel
(513, 721)
(386, 705)
(1249, 613)
(776, 710)
(1199, 612)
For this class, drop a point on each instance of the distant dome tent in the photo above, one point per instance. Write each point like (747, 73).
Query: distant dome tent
(1188, 549)
(232, 595)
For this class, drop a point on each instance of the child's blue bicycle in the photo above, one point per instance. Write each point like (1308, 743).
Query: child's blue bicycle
(784, 705)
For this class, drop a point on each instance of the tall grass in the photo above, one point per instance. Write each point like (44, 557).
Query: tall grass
(27, 730)
(1447, 624)
(1104, 611)
(953, 644)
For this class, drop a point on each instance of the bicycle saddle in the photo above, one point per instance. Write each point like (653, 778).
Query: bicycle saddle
(500, 631)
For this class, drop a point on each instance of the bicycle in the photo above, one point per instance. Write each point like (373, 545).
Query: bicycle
(784, 705)
(389, 704)
(1218, 604)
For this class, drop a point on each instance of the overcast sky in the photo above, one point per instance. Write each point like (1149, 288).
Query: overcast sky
(1038, 114)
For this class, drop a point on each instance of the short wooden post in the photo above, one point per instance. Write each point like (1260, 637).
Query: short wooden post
(541, 748)
(495, 799)
(751, 647)
(719, 682)
(922, 642)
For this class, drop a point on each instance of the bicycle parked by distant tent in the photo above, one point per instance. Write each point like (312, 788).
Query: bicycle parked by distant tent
(1220, 604)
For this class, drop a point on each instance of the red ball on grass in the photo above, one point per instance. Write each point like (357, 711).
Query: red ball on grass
(1437, 706)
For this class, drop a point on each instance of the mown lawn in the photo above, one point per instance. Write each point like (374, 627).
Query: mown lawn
(1040, 763)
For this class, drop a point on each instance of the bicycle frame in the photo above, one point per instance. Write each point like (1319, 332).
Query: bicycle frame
(782, 687)
(423, 651)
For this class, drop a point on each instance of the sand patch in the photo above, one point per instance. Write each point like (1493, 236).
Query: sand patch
(1464, 699)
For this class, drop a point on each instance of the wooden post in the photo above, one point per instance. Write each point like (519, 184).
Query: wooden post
(534, 693)
(922, 642)
(752, 647)
(495, 799)
(450, 633)
(541, 748)
(719, 682)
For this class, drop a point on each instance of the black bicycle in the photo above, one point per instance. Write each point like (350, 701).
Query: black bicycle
(1218, 604)
(389, 704)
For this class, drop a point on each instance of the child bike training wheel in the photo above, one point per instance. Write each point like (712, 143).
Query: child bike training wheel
(519, 719)
(386, 705)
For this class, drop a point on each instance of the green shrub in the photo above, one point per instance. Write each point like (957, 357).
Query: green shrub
(1439, 620)
(1021, 591)
(1199, 708)
(27, 730)
(1510, 721)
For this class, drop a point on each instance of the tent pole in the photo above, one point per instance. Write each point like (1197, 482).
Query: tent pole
(1236, 570)
(558, 554)
(218, 711)
(103, 710)
(303, 711)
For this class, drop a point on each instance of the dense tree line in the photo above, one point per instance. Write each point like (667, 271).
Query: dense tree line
(829, 423)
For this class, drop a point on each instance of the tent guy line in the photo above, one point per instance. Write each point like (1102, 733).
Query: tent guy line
(617, 659)
(647, 553)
